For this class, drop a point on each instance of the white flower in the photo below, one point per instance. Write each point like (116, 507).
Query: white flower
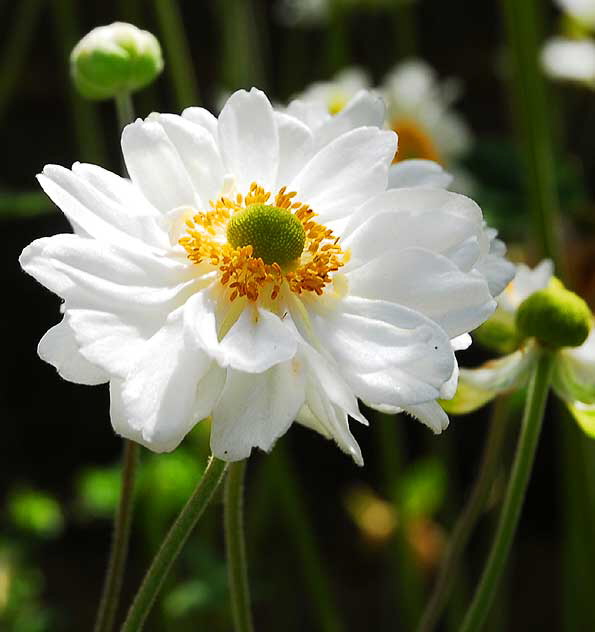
(581, 10)
(420, 111)
(574, 372)
(247, 273)
(569, 59)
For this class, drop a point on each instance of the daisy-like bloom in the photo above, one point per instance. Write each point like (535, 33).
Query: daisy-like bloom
(574, 373)
(249, 273)
(420, 111)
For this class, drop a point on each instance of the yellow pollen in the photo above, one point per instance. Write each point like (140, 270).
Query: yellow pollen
(247, 276)
(414, 142)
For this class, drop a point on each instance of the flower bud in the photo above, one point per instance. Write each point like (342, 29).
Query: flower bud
(555, 316)
(115, 59)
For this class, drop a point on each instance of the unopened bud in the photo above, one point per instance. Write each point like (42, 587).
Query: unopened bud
(115, 59)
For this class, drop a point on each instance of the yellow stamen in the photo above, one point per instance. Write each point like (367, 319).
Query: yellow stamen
(248, 276)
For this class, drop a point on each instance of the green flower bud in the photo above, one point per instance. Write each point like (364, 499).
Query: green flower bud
(498, 333)
(115, 59)
(555, 316)
(275, 234)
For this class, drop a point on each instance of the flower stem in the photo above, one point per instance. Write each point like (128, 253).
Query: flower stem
(117, 561)
(235, 546)
(124, 109)
(515, 493)
(302, 534)
(449, 568)
(180, 68)
(172, 545)
(530, 101)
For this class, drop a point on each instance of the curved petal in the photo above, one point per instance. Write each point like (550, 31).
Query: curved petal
(59, 348)
(574, 373)
(365, 109)
(94, 214)
(199, 153)
(479, 386)
(388, 354)
(295, 144)
(249, 140)
(347, 172)
(162, 394)
(156, 167)
(427, 283)
(430, 414)
(255, 409)
(257, 341)
(418, 173)
(202, 117)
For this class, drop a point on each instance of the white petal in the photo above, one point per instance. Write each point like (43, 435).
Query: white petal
(105, 275)
(202, 117)
(430, 414)
(94, 214)
(461, 342)
(105, 340)
(156, 167)
(199, 153)
(418, 173)
(257, 341)
(249, 140)
(387, 354)
(525, 282)
(59, 348)
(574, 373)
(429, 284)
(163, 385)
(345, 173)
(255, 409)
(295, 144)
(479, 386)
(567, 59)
(365, 109)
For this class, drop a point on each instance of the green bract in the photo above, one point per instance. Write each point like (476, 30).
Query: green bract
(115, 59)
(275, 234)
(554, 316)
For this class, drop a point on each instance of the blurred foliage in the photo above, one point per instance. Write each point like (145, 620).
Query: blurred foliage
(35, 512)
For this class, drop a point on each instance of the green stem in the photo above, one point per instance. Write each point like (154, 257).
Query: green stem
(235, 546)
(86, 121)
(172, 545)
(16, 47)
(301, 533)
(405, 28)
(124, 109)
(530, 99)
(179, 61)
(450, 567)
(408, 588)
(515, 493)
(110, 597)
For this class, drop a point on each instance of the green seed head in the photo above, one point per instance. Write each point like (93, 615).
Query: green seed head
(555, 316)
(115, 59)
(275, 234)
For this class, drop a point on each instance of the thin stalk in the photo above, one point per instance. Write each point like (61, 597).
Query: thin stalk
(235, 546)
(86, 121)
(16, 47)
(405, 28)
(178, 59)
(110, 597)
(172, 545)
(450, 567)
(408, 589)
(302, 534)
(515, 493)
(124, 109)
(530, 100)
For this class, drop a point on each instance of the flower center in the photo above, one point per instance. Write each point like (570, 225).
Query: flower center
(336, 103)
(258, 247)
(413, 142)
(275, 234)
